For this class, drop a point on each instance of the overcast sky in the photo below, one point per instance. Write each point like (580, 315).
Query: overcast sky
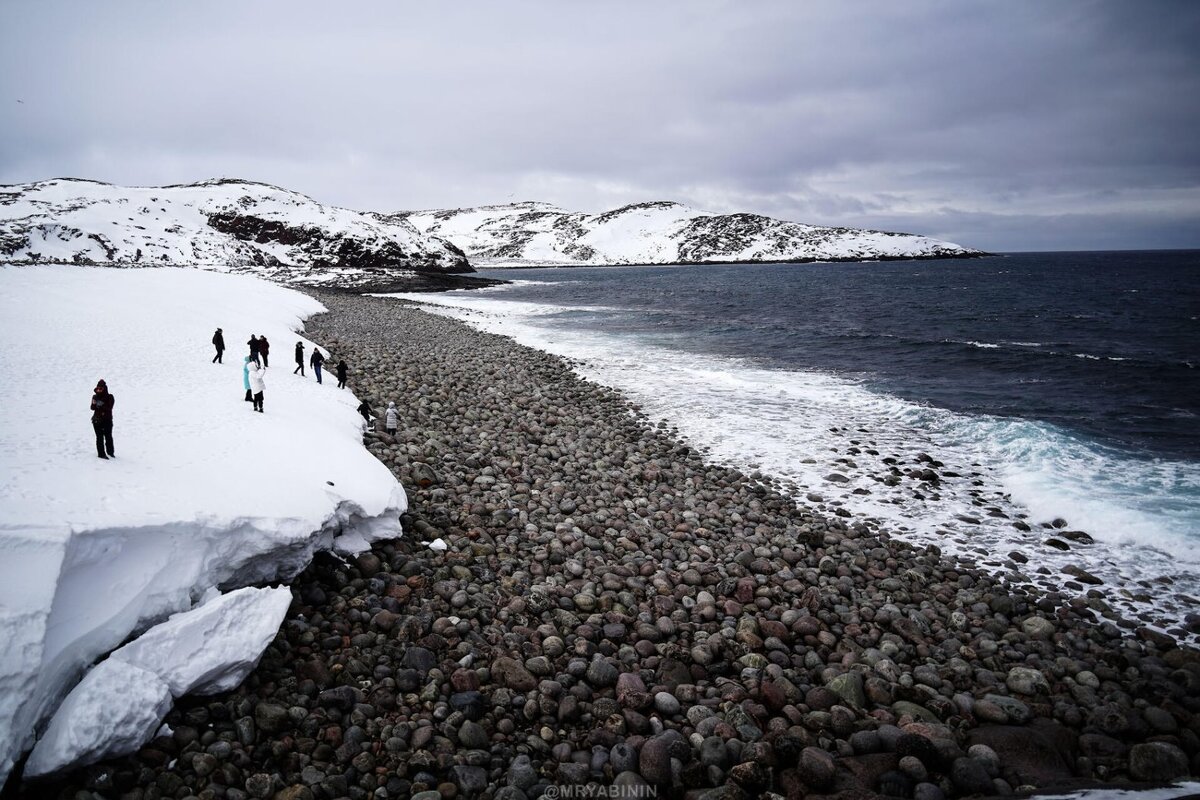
(1002, 125)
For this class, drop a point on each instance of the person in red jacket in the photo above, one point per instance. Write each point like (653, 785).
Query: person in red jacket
(102, 420)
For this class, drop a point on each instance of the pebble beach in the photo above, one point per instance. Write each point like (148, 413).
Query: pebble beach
(612, 610)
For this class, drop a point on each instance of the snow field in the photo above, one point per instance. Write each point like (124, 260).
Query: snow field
(203, 492)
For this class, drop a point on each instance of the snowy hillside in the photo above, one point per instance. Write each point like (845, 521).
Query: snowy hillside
(524, 234)
(203, 492)
(226, 225)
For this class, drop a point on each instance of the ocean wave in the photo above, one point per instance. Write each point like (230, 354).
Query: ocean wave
(800, 426)
(1027, 345)
(516, 283)
(1091, 357)
(1034, 346)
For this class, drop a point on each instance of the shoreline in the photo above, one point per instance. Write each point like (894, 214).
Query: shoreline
(613, 608)
(801, 260)
(870, 468)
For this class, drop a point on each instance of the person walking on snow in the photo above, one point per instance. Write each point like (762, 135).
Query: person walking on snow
(299, 359)
(391, 419)
(102, 420)
(315, 361)
(246, 379)
(341, 373)
(264, 349)
(219, 343)
(257, 384)
(253, 348)
(364, 408)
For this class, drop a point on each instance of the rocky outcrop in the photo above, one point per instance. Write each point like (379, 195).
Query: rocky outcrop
(331, 250)
(233, 225)
(660, 232)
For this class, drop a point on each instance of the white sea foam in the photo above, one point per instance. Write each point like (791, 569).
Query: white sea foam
(801, 426)
(1178, 790)
(518, 283)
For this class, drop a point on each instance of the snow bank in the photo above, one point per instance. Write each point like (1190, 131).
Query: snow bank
(119, 705)
(203, 492)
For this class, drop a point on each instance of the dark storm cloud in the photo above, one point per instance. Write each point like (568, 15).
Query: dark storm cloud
(1003, 125)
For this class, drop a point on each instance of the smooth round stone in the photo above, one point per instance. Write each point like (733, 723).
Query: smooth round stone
(866, 742)
(472, 735)
(623, 758)
(1024, 680)
(666, 703)
(970, 777)
(601, 673)
(713, 752)
(1160, 720)
(817, 768)
(913, 768)
(928, 791)
(986, 756)
(1157, 761)
(1038, 628)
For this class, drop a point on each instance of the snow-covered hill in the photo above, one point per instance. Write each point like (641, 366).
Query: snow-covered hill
(523, 234)
(227, 225)
(202, 493)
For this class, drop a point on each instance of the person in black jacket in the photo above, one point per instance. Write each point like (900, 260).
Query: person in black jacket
(102, 420)
(264, 349)
(341, 373)
(299, 359)
(254, 349)
(219, 343)
(315, 361)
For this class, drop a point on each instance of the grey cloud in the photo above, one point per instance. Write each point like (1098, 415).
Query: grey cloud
(933, 115)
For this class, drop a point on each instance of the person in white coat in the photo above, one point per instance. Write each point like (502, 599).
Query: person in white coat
(257, 384)
(391, 419)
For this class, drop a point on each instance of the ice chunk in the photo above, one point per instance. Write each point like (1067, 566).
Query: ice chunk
(119, 705)
(114, 710)
(214, 647)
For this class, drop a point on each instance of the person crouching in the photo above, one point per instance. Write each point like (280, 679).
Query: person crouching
(257, 386)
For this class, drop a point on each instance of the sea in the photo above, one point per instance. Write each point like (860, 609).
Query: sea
(1055, 395)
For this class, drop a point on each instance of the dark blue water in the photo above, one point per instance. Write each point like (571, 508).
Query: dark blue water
(1104, 344)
